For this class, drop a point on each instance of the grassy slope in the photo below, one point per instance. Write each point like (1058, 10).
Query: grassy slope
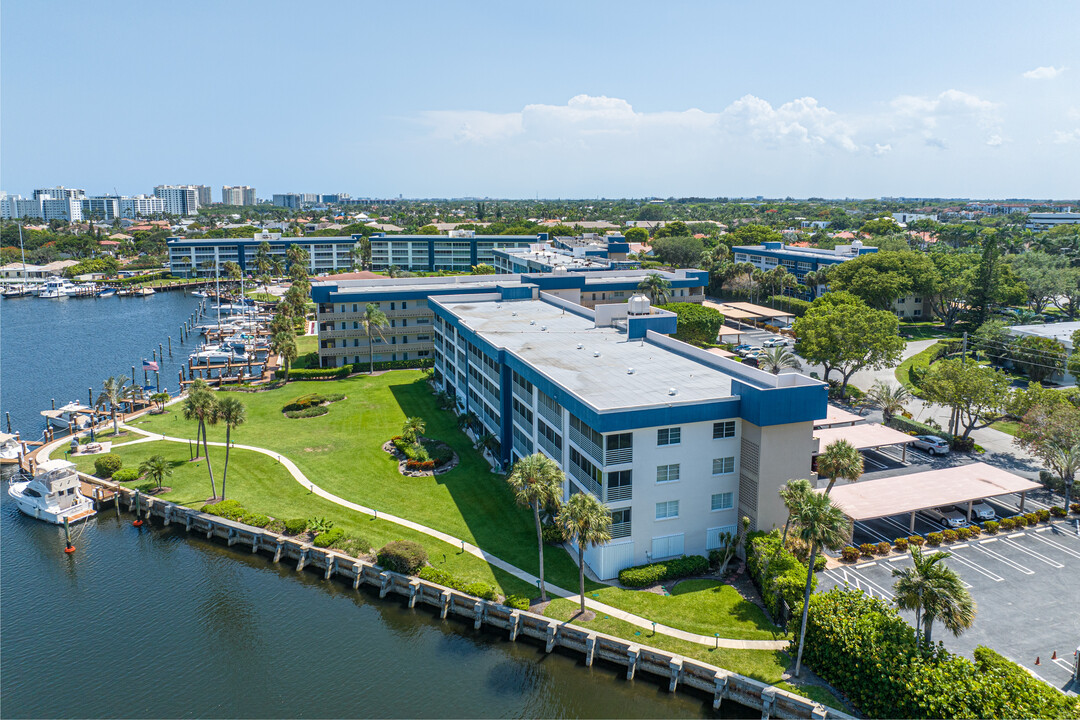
(341, 452)
(919, 360)
(260, 484)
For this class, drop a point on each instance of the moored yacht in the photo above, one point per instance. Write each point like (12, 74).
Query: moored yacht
(10, 448)
(53, 494)
(56, 288)
(74, 414)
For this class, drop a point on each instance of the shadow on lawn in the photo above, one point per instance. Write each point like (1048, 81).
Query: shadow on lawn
(483, 498)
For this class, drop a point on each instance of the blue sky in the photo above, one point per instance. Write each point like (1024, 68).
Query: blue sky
(583, 99)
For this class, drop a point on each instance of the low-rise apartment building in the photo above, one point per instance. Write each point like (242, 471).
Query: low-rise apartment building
(457, 251)
(203, 257)
(677, 442)
(340, 304)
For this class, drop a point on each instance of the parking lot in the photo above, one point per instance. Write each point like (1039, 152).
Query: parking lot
(1025, 585)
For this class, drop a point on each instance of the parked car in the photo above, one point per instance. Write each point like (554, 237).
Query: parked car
(932, 444)
(979, 510)
(739, 349)
(948, 517)
(776, 342)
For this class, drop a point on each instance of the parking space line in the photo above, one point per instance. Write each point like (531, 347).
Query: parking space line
(906, 530)
(870, 585)
(875, 463)
(977, 568)
(988, 540)
(1063, 664)
(1001, 558)
(872, 532)
(1059, 546)
(1016, 535)
(866, 565)
(898, 558)
(1037, 556)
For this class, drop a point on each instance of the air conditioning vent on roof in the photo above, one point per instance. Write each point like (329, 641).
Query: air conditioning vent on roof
(596, 353)
(672, 391)
(580, 346)
(629, 371)
(543, 327)
(514, 313)
(532, 322)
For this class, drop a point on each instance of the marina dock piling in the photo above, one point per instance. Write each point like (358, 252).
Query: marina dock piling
(132, 374)
(170, 346)
(138, 513)
(68, 547)
(160, 353)
(53, 403)
(8, 415)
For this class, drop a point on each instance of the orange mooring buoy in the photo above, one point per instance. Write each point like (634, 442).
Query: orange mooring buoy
(69, 549)
(137, 523)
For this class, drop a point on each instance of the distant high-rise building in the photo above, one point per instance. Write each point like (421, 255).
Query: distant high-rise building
(334, 198)
(180, 199)
(308, 198)
(237, 195)
(205, 194)
(287, 200)
(141, 206)
(101, 208)
(60, 192)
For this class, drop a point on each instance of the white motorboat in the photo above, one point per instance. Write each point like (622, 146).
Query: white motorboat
(199, 293)
(14, 291)
(56, 288)
(74, 414)
(107, 292)
(10, 448)
(216, 355)
(144, 291)
(53, 495)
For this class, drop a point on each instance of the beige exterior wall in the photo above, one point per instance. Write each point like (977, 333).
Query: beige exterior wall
(770, 456)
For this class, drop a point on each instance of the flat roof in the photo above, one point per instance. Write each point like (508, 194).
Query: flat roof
(759, 309)
(547, 338)
(722, 353)
(552, 258)
(935, 488)
(837, 416)
(865, 437)
(1062, 332)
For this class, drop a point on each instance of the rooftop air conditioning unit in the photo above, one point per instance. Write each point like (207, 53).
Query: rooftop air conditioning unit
(672, 391)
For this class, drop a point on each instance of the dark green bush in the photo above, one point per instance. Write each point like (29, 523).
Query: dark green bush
(644, 575)
(328, 538)
(319, 373)
(902, 424)
(107, 464)
(228, 509)
(403, 556)
(795, 306)
(255, 519)
(304, 402)
(866, 549)
(124, 475)
(307, 412)
(352, 545)
(295, 526)
(934, 539)
(787, 576)
(552, 534)
(517, 602)
(440, 577)
(820, 562)
(865, 649)
(481, 590)
(333, 397)
(276, 526)
(901, 544)
(849, 553)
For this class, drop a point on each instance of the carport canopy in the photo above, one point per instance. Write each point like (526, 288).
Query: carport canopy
(760, 310)
(865, 437)
(919, 491)
(838, 416)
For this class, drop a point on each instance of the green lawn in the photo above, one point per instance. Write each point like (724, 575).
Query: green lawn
(920, 360)
(927, 330)
(701, 606)
(262, 485)
(307, 351)
(1010, 427)
(764, 665)
(342, 452)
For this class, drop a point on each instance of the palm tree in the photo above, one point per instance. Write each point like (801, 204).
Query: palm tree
(114, 389)
(584, 520)
(156, 468)
(373, 320)
(932, 591)
(792, 495)
(657, 287)
(201, 405)
(841, 459)
(779, 358)
(413, 428)
(890, 400)
(263, 260)
(484, 440)
(393, 271)
(820, 524)
(297, 255)
(466, 420)
(537, 482)
(233, 413)
(284, 344)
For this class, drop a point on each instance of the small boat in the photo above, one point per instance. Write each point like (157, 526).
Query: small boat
(53, 495)
(74, 414)
(56, 288)
(14, 291)
(144, 291)
(10, 448)
(200, 293)
(107, 292)
(218, 354)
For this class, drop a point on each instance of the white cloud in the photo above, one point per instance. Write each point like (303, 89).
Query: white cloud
(1048, 72)
(994, 140)
(1066, 137)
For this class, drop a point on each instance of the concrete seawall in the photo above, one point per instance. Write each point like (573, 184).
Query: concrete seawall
(679, 672)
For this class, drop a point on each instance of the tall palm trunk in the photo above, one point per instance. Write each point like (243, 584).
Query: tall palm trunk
(928, 625)
(115, 426)
(581, 572)
(225, 470)
(805, 608)
(206, 449)
(540, 543)
(370, 353)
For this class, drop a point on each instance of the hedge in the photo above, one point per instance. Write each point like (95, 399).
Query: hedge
(901, 423)
(107, 464)
(361, 367)
(228, 509)
(403, 556)
(795, 306)
(865, 649)
(310, 412)
(787, 576)
(697, 324)
(295, 526)
(644, 575)
(328, 538)
(124, 475)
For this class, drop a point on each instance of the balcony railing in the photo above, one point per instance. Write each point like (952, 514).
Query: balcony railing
(620, 530)
(586, 444)
(552, 416)
(621, 492)
(585, 480)
(619, 456)
(553, 452)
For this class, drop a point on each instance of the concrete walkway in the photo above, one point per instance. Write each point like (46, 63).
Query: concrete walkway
(517, 572)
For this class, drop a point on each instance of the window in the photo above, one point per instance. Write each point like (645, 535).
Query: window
(354, 307)
(724, 429)
(402, 304)
(918, 312)
(667, 510)
(620, 523)
(918, 301)
(901, 301)
(723, 466)
(667, 473)
(668, 436)
(723, 501)
(620, 441)
(620, 485)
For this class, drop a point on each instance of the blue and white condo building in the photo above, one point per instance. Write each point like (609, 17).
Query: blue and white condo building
(678, 442)
(205, 257)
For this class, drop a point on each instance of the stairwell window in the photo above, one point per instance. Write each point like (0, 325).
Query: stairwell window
(723, 501)
(723, 466)
(725, 429)
(669, 436)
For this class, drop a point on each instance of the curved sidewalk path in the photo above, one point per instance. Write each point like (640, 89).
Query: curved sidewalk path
(482, 554)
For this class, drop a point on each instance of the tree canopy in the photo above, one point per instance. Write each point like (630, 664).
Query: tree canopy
(881, 278)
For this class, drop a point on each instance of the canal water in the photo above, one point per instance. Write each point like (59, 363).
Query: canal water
(152, 622)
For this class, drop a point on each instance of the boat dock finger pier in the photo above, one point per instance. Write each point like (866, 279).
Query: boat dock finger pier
(677, 672)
